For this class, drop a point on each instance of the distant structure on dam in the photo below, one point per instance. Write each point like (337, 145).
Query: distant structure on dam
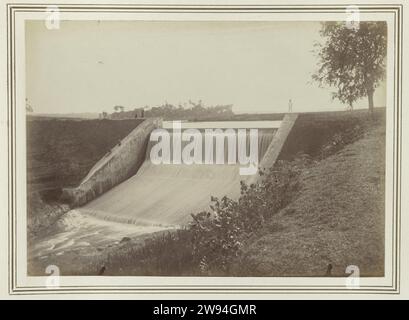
(136, 113)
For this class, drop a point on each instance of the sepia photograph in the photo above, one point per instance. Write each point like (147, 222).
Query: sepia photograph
(216, 147)
(118, 114)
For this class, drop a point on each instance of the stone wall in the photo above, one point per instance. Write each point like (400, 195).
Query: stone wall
(276, 145)
(119, 164)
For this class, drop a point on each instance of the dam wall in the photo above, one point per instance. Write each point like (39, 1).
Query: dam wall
(129, 187)
(274, 149)
(119, 164)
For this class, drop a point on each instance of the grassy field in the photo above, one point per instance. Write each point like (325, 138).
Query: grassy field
(331, 214)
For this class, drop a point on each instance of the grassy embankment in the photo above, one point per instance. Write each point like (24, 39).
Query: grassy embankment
(60, 152)
(323, 204)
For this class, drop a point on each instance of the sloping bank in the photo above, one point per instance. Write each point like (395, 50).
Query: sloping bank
(337, 218)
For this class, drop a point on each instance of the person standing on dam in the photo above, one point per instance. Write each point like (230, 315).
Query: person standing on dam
(290, 106)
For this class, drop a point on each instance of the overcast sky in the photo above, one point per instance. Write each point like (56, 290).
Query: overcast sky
(90, 66)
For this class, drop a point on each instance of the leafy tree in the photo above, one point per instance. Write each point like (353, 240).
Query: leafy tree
(352, 60)
(119, 108)
(191, 111)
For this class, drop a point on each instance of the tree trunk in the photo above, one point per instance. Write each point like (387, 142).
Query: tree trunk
(370, 101)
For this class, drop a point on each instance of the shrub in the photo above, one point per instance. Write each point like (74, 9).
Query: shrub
(219, 234)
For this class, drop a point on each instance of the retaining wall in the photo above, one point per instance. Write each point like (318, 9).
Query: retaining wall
(122, 162)
(276, 145)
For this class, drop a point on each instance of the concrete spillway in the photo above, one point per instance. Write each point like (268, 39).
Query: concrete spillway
(166, 194)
